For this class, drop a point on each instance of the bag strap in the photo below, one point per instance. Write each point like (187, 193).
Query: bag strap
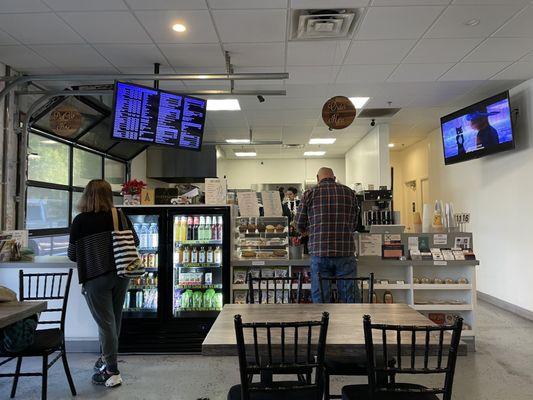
(114, 214)
(123, 220)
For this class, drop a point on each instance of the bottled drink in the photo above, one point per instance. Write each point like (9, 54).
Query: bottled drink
(195, 228)
(190, 223)
(186, 255)
(218, 255)
(179, 255)
(209, 255)
(208, 228)
(201, 255)
(194, 255)
(183, 233)
(177, 229)
(201, 229)
(219, 228)
(143, 239)
(153, 236)
(137, 228)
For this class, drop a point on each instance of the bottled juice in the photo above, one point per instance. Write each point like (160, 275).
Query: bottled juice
(219, 228)
(183, 229)
(207, 230)
(218, 255)
(209, 256)
(177, 229)
(201, 229)
(195, 228)
(190, 224)
(194, 255)
(201, 255)
(179, 255)
(186, 255)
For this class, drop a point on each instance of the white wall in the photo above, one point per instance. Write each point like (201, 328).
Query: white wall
(241, 174)
(497, 192)
(367, 162)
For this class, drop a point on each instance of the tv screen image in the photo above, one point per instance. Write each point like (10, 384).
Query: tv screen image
(153, 116)
(481, 129)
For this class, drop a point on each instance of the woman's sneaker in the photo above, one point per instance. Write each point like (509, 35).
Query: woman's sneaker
(99, 365)
(108, 379)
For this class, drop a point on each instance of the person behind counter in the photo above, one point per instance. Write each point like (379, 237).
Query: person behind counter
(91, 247)
(328, 214)
(291, 203)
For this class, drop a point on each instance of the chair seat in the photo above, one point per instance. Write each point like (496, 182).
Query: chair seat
(360, 392)
(349, 365)
(46, 341)
(303, 394)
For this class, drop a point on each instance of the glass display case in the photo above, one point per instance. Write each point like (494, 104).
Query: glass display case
(264, 238)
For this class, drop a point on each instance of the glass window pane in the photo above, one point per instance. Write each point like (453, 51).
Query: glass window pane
(49, 245)
(87, 166)
(76, 196)
(46, 208)
(48, 160)
(114, 173)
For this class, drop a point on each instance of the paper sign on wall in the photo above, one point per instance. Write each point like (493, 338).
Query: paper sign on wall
(215, 191)
(248, 205)
(271, 204)
(370, 245)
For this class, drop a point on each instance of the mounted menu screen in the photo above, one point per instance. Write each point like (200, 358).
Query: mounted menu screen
(153, 116)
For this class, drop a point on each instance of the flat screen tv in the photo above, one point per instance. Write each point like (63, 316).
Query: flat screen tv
(478, 130)
(152, 116)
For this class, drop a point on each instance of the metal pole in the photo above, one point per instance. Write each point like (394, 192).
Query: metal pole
(156, 71)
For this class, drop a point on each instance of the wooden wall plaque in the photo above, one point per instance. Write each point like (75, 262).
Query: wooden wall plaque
(338, 112)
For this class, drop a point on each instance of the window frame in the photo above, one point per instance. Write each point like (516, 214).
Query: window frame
(70, 187)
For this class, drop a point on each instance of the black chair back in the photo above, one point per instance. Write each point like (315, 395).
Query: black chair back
(431, 346)
(357, 283)
(278, 289)
(261, 352)
(53, 287)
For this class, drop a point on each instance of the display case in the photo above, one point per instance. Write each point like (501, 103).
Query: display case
(263, 238)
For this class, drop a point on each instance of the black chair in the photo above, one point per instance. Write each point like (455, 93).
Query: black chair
(294, 346)
(54, 288)
(274, 286)
(433, 347)
(345, 365)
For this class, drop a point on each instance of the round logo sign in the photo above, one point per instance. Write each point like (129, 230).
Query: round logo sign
(65, 120)
(338, 112)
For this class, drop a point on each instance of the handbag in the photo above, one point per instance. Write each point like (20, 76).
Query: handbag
(127, 260)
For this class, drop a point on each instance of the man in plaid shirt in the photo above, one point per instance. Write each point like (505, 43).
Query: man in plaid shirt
(328, 214)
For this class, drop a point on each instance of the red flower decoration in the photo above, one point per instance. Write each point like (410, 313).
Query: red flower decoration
(132, 187)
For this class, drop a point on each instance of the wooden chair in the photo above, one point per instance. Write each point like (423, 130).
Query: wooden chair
(345, 365)
(408, 391)
(54, 288)
(269, 348)
(276, 286)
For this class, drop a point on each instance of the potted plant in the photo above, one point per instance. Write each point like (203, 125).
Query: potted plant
(131, 190)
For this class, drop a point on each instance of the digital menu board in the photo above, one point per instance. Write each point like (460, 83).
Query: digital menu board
(153, 116)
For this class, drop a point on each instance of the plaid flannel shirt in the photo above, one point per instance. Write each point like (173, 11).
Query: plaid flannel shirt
(328, 212)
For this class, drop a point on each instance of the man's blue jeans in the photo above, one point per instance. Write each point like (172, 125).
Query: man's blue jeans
(330, 267)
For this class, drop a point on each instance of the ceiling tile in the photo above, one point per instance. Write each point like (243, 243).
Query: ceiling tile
(20, 57)
(520, 25)
(317, 52)
(319, 4)
(519, 70)
(493, 2)
(46, 28)
(251, 25)
(397, 22)
(89, 70)
(84, 5)
(378, 51)
(131, 55)
(528, 57)
(244, 4)
(501, 49)
(6, 39)
(452, 23)
(167, 4)
(256, 54)
(364, 73)
(419, 72)
(193, 55)
(159, 25)
(14, 6)
(473, 71)
(107, 27)
(312, 74)
(441, 50)
(66, 56)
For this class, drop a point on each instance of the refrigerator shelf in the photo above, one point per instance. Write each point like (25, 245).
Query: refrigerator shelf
(198, 265)
(133, 287)
(215, 286)
(148, 250)
(198, 242)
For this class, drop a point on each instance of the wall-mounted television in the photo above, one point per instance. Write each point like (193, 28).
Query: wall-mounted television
(478, 130)
(152, 116)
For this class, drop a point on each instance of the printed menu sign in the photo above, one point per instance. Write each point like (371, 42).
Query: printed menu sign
(215, 191)
(271, 204)
(370, 244)
(248, 205)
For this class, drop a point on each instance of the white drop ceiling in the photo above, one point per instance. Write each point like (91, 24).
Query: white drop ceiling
(417, 55)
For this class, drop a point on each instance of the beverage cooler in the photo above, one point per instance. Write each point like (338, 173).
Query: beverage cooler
(186, 253)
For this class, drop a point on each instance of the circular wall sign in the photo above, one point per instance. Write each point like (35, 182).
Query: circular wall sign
(65, 120)
(338, 112)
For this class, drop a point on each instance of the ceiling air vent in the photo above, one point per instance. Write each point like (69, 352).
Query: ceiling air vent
(292, 146)
(323, 24)
(378, 112)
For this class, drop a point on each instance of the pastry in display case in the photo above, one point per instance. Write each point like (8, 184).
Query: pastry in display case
(263, 238)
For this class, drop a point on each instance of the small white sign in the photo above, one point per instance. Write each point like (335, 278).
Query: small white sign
(248, 205)
(215, 191)
(440, 238)
(271, 204)
(370, 245)
(258, 263)
(440, 263)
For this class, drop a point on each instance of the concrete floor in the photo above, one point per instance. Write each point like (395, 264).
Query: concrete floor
(501, 369)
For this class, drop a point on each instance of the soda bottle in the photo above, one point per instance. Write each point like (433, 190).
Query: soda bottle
(201, 255)
(207, 235)
(194, 255)
(201, 229)
(210, 255)
(190, 223)
(195, 228)
(219, 228)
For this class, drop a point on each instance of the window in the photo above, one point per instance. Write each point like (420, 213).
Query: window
(76, 196)
(47, 160)
(46, 208)
(114, 174)
(49, 245)
(87, 166)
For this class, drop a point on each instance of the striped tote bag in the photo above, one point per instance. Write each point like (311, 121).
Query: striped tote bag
(127, 260)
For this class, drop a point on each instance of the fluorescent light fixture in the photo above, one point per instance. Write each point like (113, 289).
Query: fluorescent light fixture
(322, 140)
(314, 153)
(223, 105)
(391, 145)
(245, 153)
(359, 102)
(238, 141)
(179, 27)
(49, 141)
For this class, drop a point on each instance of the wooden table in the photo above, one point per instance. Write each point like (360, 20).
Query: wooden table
(14, 311)
(345, 331)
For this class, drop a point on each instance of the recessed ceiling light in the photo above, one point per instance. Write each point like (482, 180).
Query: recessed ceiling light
(472, 22)
(237, 141)
(359, 102)
(314, 153)
(223, 105)
(322, 140)
(179, 27)
(245, 153)
(391, 145)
